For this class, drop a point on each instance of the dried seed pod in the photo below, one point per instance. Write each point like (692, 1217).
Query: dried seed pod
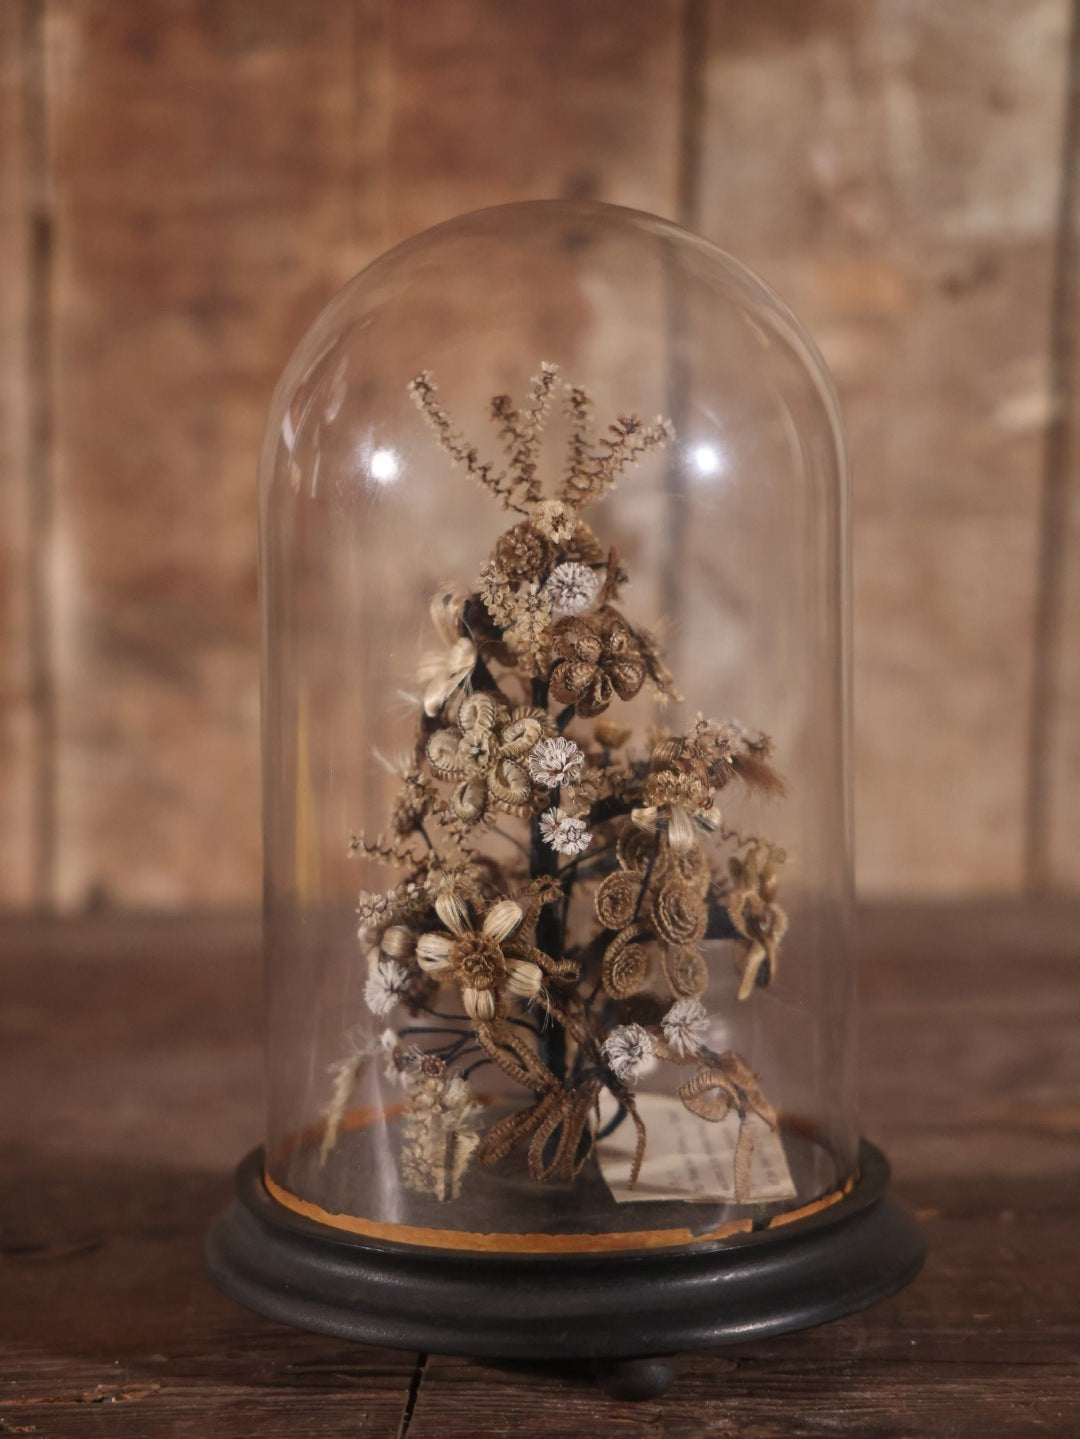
(617, 897)
(679, 913)
(611, 735)
(686, 971)
(626, 961)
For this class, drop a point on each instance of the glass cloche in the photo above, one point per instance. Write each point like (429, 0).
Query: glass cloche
(554, 510)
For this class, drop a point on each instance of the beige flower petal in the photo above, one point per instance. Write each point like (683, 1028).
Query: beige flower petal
(509, 784)
(433, 952)
(502, 919)
(477, 712)
(468, 799)
(520, 736)
(479, 1003)
(399, 942)
(452, 910)
(442, 752)
(523, 978)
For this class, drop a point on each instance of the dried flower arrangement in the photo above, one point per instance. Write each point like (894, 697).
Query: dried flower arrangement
(523, 796)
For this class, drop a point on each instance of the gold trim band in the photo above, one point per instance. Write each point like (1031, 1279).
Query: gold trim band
(496, 1243)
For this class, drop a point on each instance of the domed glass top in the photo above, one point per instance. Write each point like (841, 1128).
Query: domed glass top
(553, 517)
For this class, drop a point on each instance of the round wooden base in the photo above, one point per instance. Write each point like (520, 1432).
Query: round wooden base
(626, 1311)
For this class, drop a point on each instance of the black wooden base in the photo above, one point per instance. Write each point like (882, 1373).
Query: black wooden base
(626, 1312)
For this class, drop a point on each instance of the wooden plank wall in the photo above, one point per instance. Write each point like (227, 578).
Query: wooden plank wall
(184, 184)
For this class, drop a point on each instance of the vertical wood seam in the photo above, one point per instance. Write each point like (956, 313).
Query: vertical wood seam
(690, 99)
(39, 440)
(372, 88)
(417, 1379)
(1058, 456)
(693, 45)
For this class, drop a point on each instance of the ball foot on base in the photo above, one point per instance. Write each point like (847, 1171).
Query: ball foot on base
(634, 1379)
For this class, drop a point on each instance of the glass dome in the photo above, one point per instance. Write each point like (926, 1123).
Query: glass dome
(555, 699)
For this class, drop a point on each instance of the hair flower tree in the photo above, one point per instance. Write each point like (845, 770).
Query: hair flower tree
(554, 873)
(557, 1101)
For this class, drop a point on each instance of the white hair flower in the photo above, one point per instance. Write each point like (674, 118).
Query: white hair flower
(386, 986)
(555, 762)
(685, 1026)
(571, 588)
(629, 1052)
(564, 832)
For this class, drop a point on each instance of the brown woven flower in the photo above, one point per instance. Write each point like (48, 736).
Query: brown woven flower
(522, 552)
(597, 659)
(679, 912)
(626, 962)
(485, 750)
(617, 898)
(487, 957)
(685, 971)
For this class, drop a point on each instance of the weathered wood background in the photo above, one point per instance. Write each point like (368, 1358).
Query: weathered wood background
(183, 184)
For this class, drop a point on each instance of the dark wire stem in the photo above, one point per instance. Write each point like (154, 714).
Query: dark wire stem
(543, 863)
(465, 1019)
(584, 862)
(460, 1050)
(433, 1029)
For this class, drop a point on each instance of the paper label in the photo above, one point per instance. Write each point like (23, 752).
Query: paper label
(687, 1157)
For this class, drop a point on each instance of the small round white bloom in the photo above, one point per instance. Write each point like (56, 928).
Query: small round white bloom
(565, 833)
(685, 1026)
(571, 588)
(385, 987)
(556, 761)
(628, 1049)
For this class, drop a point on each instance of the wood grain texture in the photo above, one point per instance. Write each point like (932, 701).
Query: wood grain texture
(1054, 814)
(18, 730)
(120, 1130)
(217, 178)
(206, 169)
(902, 198)
(183, 186)
(494, 102)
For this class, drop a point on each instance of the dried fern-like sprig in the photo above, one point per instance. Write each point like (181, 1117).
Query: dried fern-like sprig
(628, 439)
(424, 393)
(345, 1074)
(579, 413)
(520, 433)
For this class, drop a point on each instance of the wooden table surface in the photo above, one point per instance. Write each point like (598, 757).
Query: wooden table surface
(130, 1080)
